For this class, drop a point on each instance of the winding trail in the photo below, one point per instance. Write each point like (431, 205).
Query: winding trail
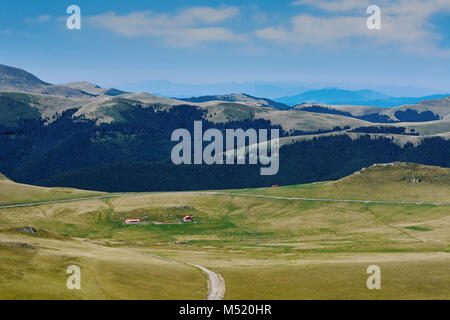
(318, 199)
(216, 283)
(30, 204)
(222, 194)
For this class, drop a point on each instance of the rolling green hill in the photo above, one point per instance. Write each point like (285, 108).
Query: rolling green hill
(424, 111)
(398, 181)
(240, 98)
(14, 193)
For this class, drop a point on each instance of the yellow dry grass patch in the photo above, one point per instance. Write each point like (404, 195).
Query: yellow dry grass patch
(16, 193)
(106, 273)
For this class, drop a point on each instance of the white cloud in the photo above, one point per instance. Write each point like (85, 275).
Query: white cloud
(185, 29)
(335, 5)
(206, 15)
(43, 18)
(405, 24)
(257, 15)
(307, 29)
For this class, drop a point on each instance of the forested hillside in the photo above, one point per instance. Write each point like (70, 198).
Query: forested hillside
(134, 154)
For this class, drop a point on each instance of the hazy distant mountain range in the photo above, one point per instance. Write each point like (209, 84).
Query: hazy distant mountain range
(270, 90)
(182, 90)
(336, 96)
(82, 135)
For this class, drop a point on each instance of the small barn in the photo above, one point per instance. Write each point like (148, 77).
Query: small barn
(133, 221)
(188, 219)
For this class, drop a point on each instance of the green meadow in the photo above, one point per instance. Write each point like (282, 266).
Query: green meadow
(264, 248)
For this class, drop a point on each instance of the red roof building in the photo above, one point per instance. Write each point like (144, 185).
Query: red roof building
(133, 221)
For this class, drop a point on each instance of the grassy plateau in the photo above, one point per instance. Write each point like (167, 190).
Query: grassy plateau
(265, 248)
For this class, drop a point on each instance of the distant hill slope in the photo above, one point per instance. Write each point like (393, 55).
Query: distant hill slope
(440, 107)
(16, 193)
(86, 87)
(93, 89)
(244, 98)
(427, 110)
(14, 79)
(66, 92)
(16, 107)
(336, 96)
(397, 181)
(18, 80)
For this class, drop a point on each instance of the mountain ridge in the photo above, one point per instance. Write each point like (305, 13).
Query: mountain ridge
(81, 135)
(18, 80)
(241, 97)
(94, 102)
(12, 78)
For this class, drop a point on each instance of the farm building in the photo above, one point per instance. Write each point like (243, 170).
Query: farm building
(133, 221)
(188, 219)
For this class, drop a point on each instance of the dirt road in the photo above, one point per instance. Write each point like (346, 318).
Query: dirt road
(223, 194)
(216, 284)
(30, 204)
(319, 199)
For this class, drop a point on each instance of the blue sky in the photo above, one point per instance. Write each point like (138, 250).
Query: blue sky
(313, 43)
